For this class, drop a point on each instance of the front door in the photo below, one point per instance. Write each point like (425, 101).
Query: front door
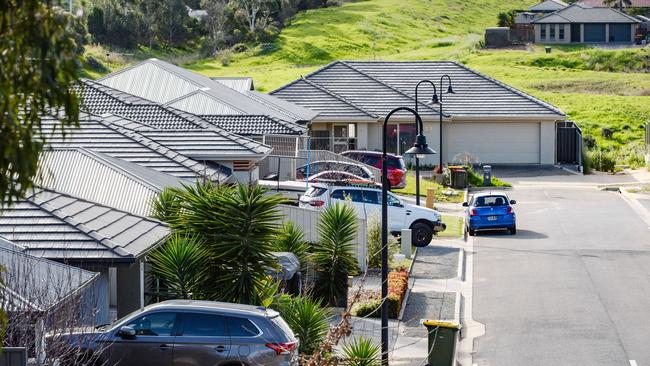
(202, 340)
(153, 343)
(575, 33)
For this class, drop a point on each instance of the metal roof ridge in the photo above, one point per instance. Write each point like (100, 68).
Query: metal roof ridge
(342, 99)
(117, 94)
(155, 62)
(391, 87)
(513, 89)
(202, 91)
(99, 157)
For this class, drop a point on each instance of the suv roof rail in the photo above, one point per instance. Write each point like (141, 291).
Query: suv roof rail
(352, 183)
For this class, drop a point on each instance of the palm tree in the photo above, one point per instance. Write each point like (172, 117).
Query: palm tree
(307, 318)
(236, 225)
(182, 265)
(361, 352)
(332, 257)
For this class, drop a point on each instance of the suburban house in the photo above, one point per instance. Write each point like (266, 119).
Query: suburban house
(484, 120)
(87, 235)
(582, 24)
(635, 5)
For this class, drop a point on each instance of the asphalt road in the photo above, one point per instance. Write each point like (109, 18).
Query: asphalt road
(571, 288)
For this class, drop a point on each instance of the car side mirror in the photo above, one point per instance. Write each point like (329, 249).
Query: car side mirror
(512, 202)
(465, 204)
(126, 332)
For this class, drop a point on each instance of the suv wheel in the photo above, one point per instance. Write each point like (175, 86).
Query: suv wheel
(422, 234)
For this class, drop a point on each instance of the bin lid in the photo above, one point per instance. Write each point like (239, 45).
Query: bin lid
(442, 324)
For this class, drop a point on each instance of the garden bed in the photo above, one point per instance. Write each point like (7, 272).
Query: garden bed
(369, 305)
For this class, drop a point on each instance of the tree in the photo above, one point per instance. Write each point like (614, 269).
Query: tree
(506, 19)
(172, 20)
(237, 226)
(332, 257)
(40, 61)
(251, 11)
(215, 22)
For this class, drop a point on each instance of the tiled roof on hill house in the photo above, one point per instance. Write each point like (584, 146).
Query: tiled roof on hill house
(577, 13)
(602, 4)
(255, 125)
(57, 226)
(100, 178)
(162, 82)
(106, 135)
(366, 89)
(156, 117)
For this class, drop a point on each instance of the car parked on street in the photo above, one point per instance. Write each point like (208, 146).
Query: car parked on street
(320, 166)
(190, 332)
(490, 211)
(396, 166)
(366, 200)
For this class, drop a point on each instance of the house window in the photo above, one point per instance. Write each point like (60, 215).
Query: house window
(542, 31)
(552, 34)
(400, 138)
(561, 34)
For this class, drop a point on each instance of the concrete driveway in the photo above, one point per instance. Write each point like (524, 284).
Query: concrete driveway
(571, 288)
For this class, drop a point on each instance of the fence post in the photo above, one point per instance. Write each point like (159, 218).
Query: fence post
(406, 243)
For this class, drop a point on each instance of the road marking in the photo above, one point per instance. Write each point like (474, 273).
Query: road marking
(633, 363)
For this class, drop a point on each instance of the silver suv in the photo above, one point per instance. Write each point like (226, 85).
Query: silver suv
(189, 332)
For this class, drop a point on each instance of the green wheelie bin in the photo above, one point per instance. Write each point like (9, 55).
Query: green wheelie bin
(442, 342)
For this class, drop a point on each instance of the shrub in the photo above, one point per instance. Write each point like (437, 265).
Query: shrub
(240, 47)
(225, 57)
(589, 141)
(361, 352)
(602, 161)
(607, 133)
(290, 238)
(308, 320)
(397, 286)
(94, 64)
(374, 243)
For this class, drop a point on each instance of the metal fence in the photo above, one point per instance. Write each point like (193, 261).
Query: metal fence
(569, 143)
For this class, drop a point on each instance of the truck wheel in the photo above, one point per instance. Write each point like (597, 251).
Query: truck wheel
(422, 234)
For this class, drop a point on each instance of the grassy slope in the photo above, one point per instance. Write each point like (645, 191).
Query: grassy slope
(450, 29)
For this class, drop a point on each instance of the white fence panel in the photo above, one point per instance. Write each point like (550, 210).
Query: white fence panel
(307, 219)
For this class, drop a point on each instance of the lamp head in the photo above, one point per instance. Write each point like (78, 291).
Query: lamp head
(434, 99)
(450, 90)
(420, 148)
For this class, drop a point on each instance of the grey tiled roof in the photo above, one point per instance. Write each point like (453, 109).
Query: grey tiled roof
(548, 5)
(159, 117)
(100, 178)
(358, 89)
(255, 125)
(577, 13)
(37, 284)
(106, 136)
(57, 226)
(164, 83)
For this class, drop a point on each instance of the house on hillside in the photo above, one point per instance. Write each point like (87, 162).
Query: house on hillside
(637, 6)
(581, 24)
(484, 121)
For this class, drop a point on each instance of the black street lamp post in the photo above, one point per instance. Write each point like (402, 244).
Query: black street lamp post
(420, 149)
(450, 90)
(434, 100)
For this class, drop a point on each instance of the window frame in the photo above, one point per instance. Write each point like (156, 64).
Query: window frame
(542, 31)
(180, 326)
(228, 317)
(172, 333)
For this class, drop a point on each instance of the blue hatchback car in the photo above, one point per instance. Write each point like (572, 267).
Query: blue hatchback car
(490, 211)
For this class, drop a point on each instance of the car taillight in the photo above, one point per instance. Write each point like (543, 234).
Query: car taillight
(316, 203)
(509, 210)
(473, 212)
(282, 348)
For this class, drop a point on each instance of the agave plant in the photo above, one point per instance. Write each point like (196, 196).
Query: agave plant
(307, 318)
(165, 206)
(182, 265)
(290, 238)
(332, 258)
(361, 352)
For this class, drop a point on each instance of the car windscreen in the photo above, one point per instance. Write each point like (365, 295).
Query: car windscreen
(487, 201)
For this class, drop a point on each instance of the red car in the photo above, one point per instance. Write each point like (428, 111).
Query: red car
(396, 166)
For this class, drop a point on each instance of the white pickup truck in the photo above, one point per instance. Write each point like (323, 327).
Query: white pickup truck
(366, 199)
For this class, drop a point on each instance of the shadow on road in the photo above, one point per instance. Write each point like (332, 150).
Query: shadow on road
(521, 234)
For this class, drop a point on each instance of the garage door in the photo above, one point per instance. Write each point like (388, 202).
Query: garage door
(620, 33)
(595, 33)
(497, 143)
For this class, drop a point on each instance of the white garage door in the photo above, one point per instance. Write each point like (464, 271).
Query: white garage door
(502, 143)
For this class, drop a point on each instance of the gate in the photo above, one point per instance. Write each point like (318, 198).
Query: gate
(569, 143)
